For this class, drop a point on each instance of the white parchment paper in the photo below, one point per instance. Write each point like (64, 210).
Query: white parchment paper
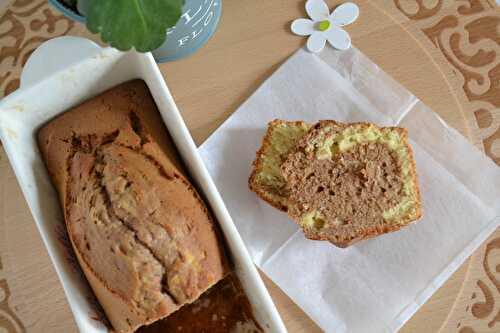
(376, 285)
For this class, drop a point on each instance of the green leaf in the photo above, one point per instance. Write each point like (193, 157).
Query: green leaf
(125, 24)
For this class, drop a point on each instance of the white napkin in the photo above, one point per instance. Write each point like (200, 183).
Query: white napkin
(375, 285)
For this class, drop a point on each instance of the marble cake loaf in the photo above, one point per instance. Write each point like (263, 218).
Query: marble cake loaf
(142, 234)
(339, 182)
(266, 179)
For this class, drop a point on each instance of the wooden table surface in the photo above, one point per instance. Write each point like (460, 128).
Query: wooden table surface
(446, 52)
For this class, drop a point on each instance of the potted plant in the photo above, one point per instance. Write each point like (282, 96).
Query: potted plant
(171, 29)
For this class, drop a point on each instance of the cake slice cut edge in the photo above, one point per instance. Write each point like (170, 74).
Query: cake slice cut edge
(349, 182)
(266, 179)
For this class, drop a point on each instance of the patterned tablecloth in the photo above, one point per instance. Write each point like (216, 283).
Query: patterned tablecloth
(462, 37)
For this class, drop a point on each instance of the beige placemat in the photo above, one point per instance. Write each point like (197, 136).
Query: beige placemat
(462, 37)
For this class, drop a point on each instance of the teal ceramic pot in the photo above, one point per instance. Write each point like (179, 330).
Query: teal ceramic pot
(195, 27)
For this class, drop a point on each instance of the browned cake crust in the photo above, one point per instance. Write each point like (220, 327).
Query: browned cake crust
(311, 184)
(275, 195)
(143, 236)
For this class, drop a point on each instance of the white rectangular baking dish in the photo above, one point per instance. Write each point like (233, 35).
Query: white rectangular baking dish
(60, 74)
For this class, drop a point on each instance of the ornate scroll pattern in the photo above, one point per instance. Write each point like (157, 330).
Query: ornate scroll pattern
(480, 312)
(467, 34)
(418, 9)
(492, 269)
(8, 320)
(24, 26)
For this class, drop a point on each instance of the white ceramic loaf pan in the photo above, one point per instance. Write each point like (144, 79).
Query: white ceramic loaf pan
(60, 74)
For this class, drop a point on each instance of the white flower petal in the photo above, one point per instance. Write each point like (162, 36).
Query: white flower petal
(316, 42)
(317, 10)
(338, 38)
(345, 14)
(303, 27)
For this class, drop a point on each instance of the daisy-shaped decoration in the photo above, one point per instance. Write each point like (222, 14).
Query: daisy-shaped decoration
(324, 26)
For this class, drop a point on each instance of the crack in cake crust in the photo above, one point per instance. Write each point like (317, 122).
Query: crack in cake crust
(143, 236)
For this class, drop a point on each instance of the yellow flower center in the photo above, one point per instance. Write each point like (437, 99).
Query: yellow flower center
(324, 25)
